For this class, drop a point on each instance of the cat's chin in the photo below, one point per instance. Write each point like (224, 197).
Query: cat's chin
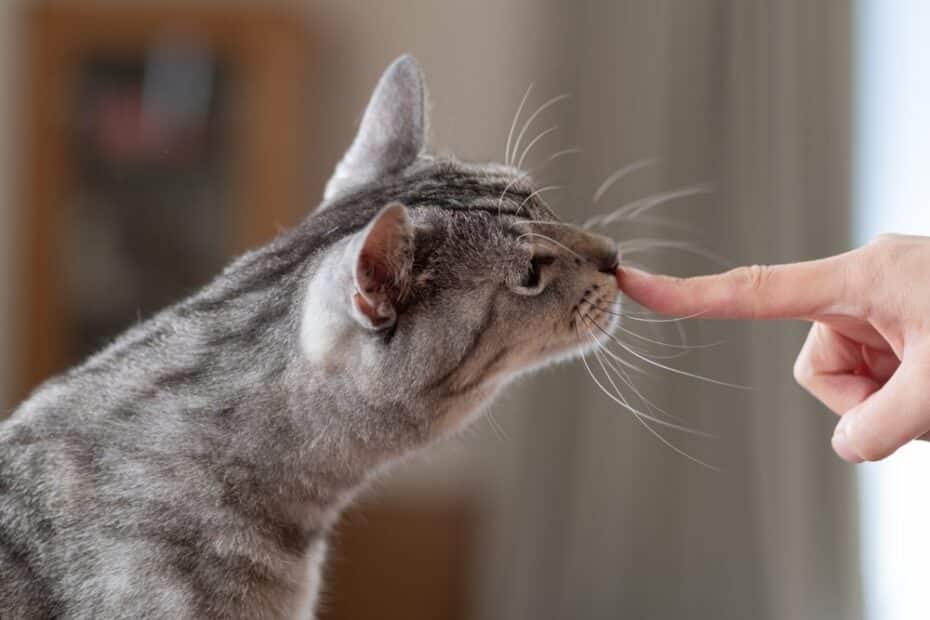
(595, 329)
(573, 346)
(601, 336)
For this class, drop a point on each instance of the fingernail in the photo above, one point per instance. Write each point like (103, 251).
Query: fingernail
(841, 443)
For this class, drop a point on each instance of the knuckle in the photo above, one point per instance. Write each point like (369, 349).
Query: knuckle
(885, 239)
(883, 250)
(864, 275)
(756, 277)
(753, 279)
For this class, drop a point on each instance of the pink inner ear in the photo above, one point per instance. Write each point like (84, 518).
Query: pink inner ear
(369, 311)
(373, 281)
(379, 267)
(373, 273)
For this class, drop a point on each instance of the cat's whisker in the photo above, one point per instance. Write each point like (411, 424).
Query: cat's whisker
(548, 104)
(683, 348)
(671, 369)
(688, 347)
(619, 174)
(569, 151)
(696, 190)
(661, 356)
(634, 208)
(625, 378)
(548, 223)
(655, 221)
(513, 123)
(617, 397)
(541, 190)
(496, 427)
(677, 322)
(500, 199)
(552, 158)
(646, 425)
(709, 345)
(551, 240)
(617, 313)
(628, 381)
(577, 323)
(636, 246)
(527, 173)
(533, 142)
(671, 320)
(634, 264)
(647, 353)
(682, 334)
(621, 361)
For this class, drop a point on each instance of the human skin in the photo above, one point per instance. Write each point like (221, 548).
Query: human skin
(867, 355)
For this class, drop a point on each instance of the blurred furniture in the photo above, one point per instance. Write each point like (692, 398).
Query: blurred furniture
(159, 142)
(405, 557)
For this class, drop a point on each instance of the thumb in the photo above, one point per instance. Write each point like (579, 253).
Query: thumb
(894, 415)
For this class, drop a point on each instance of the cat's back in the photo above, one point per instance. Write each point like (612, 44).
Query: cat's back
(44, 478)
(56, 509)
(99, 518)
(31, 517)
(25, 590)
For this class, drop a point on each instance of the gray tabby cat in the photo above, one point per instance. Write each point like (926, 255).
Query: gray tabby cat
(193, 467)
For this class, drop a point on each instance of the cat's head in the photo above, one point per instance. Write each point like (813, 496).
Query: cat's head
(456, 277)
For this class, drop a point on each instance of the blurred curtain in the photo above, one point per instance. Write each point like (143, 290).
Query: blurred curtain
(753, 96)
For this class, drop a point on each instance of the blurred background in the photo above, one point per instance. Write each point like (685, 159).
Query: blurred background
(144, 144)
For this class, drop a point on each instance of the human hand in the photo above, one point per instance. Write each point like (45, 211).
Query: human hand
(867, 356)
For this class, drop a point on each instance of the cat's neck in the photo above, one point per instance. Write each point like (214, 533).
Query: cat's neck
(273, 438)
(220, 380)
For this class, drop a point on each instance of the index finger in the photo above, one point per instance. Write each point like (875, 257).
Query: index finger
(795, 290)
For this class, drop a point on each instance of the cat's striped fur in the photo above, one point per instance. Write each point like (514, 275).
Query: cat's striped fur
(193, 467)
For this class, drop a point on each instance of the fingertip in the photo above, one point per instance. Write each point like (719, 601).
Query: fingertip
(637, 284)
(630, 274)
(842, 445)
(659, 293)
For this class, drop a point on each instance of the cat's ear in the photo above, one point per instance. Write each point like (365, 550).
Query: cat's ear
(382, 262)
(392, 131)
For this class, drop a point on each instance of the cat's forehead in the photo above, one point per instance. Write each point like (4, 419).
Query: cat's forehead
(492, 188)
(442, 189)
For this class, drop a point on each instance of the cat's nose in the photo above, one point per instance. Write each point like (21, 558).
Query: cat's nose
(608, 263)
(599, 250)
(604, 254)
